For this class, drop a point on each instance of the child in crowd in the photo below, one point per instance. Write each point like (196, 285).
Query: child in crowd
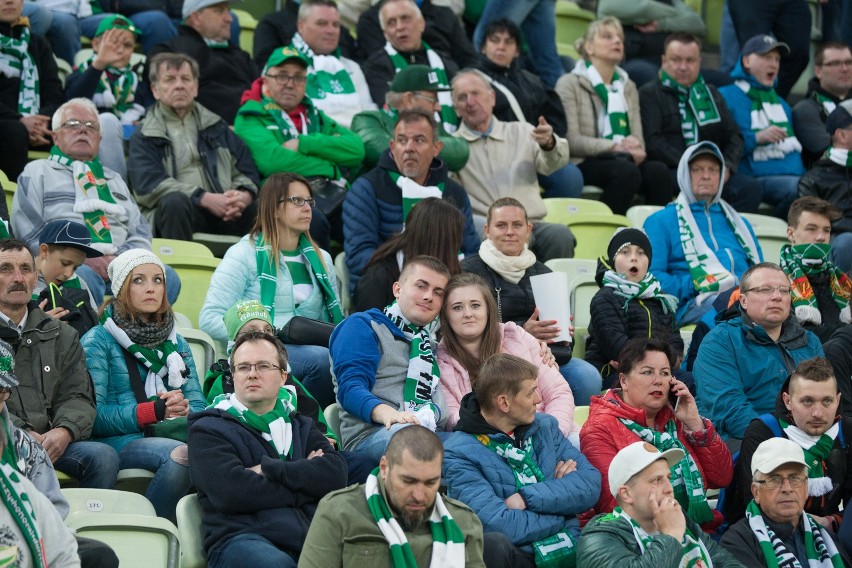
(630, 304)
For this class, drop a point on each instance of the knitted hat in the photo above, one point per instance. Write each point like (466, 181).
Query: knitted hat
(7, 366)
(628, 236)
(121, 267)
(240, 313)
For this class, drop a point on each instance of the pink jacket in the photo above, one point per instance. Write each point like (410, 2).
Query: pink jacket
(556, 397)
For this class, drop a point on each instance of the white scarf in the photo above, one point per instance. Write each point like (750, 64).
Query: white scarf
(86, 201)
(511, 268)
(770, 114)
(817, 486)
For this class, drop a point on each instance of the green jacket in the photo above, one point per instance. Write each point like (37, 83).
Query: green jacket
(343, 534)
(322, 151)
(375, 127)
(609, 541)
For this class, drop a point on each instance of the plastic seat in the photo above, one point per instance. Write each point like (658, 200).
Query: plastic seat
(248, 24)
(581, 288)
(166, 249)
(134, 480)
(638, 213)
(581, 414)
(189, 514)
(139, 541)
(202, 346)
(771, 233)
(561, 209)
(107, 502)
(182, 321)
(62, 70)
(574, 267)
(571, 23)
(195, 274)
(581, 334)
(343, 279)
(332, 417)
(593, 232)
(218, 244)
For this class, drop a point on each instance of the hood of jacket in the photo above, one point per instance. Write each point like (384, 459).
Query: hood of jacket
(684, 179)
(472, 422)
(793, 335)
(610, 403)
(438, 172)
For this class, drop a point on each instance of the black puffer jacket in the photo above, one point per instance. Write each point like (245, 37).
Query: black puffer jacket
(838, 350)
(833, 183)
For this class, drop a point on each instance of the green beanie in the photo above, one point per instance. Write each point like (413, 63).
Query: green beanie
(241, 312)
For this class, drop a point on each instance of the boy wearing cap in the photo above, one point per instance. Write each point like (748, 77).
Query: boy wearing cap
(648, 528)
(772, 154)
(776, 531)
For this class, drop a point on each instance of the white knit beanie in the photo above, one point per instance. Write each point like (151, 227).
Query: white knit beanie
(122, 266)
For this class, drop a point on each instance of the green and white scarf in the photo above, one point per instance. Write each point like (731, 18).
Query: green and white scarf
(646, 289)
(274, 426)
(412, 192)
(801, 261)
(447, 114)
(695, 104)
(16, 61)
(695, 553)
(268, 276)
(447, 538)
(827, 104)
(327, 76)
(686, 478)
(163, 361)
(766, 110)
(839, 156)
(819, 548)
(423, 375)
(817, 449)
(17, 501)
(116, 90)
(709, 277)
(285, 124)
(93, 200)
(558, 549)
(612, 122)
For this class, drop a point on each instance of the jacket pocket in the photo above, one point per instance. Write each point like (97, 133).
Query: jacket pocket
(365, 551)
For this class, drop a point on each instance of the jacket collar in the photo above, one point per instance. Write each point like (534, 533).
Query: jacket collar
(472, 422)
(154, 124)
(793, 335)
(437, 170)
(611, 403)
(498, 131)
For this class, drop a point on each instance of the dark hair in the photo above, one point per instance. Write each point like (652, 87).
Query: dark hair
(681, 37)
(425, 261)
(746, 277)
(416, 115)
(504, 25)
(502, 373)
(433, 227)
(423, 445)
(505, 202)
(172, 60)
(819, 53)
(491, 336)
(13, 244)
(811, 204)
(816, 369)
(307, 5)
(635, 350)
(255, 335)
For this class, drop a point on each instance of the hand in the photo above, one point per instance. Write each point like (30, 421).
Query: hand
(563, 468)
(400, 417)
(236, 200)
(515, 501)
(315, 454)
(256, 468)
(687, 410)
(57, 313)
(55, 441)
(824, 521)
(111, 52)
(771, 135)
(216, 203)
(668, 516)
(545, 329)
(543, 134)
(176, 404)
(333, 442)
(547, 355)
(291, 144)
(99, 264)
(648, 27)
(614, 364)
(38, 128)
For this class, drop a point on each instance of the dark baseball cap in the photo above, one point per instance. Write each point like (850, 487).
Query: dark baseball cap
(840, 117)
(68, 234)
(763, 44)
(417, 78)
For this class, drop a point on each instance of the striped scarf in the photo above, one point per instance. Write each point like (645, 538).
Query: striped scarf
(13, 492)
(817, 450)
(327, 77)
(447, 114)
(646, 289)
(412, 192)
(801, 261)
(686, 478)
(285, 124)
(819, 548)
(274, 426)
(839, 156)
(612, 122)
(695, 104)
(767, 110)
(695, 553)
(447, 538)
(826, 103)
(116, 90)
(16, 61)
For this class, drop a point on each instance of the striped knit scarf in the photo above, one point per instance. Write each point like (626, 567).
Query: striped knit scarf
(695, 553)
(819, 548)
(447, 538)
(767, 110)
(612, 123)
(16, 61)
(17, 501)
(116, 90)
(327, 76)
(285, 124)
(686, 478)
(801, 261)
(695, 104)
(274, 426)
(826, 103)
(648, 288)
(412, 192)
(162, 361)
(839, 156)
(817, 450)
(447, 114)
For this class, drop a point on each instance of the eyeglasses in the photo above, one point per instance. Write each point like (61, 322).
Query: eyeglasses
(430, 100)
(777, 482)
(75, 124)
(841, 63)
(299, 201)
(283, 79)
(262, 367)
(769, 290)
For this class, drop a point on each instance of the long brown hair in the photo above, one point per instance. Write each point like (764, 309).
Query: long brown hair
(275, 188)
(122, 306)
(491, 335)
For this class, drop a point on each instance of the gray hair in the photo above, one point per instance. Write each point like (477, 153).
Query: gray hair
(412, 3)
(307, 6)
(79, 102)
(471, 71)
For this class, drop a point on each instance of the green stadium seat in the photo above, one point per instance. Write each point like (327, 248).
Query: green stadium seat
(332, 418)
(189, 515)
(593, 232)
(638, 213)
(343, 280)
(560, 209)
(166, 249)
(195, 274)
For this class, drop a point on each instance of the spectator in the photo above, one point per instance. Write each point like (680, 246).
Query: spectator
(260, 467)
(773, 154)
(743, 361)
(604, 123)
(279, 264)
(504, 158)
(701, 245)
(680, 109)
(137, 335)
(831, 84)
(380, 200)
(829, 180)
(189, 171)
(225, 70)
(515, 468)
(640, 408)
(820, 289)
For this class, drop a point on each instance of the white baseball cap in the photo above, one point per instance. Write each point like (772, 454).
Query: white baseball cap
(775, 452)
(634, 458)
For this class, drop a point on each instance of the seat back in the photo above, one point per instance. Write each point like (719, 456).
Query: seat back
(581, 414)
(771, 234)
(134, 480)
(581, 288)
(139, 541)
(189, 514)
(107, 502)
(574, 267)
(561, 209)
(582, 292)
(248, 24)
(218, 244)
(166, 249)
(195, 274)
(638, 213)
(593, 232)
(203, 349)
(342, 272)
(332, 418)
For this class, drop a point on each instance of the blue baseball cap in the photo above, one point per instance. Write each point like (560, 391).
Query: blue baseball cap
(69, 234)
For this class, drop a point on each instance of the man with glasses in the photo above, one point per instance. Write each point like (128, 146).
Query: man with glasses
(743, 362)
(259, 465)
(831, 84)
(189, 171)
(776, 530)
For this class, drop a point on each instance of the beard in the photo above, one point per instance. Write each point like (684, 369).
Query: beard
(412, 521)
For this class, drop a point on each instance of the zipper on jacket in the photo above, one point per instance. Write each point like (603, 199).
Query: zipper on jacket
(648, 313)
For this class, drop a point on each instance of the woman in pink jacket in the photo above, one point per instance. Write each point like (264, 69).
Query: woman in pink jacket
(472, 332)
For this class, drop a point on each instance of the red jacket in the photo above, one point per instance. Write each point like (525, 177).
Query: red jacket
(603, 435)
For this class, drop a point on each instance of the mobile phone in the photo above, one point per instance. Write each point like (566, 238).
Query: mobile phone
(673, 400)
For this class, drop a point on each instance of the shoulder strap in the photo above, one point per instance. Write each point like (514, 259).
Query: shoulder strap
(136, 382)
(773, 425)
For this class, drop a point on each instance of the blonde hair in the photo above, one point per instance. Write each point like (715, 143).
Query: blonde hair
(593, 30)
